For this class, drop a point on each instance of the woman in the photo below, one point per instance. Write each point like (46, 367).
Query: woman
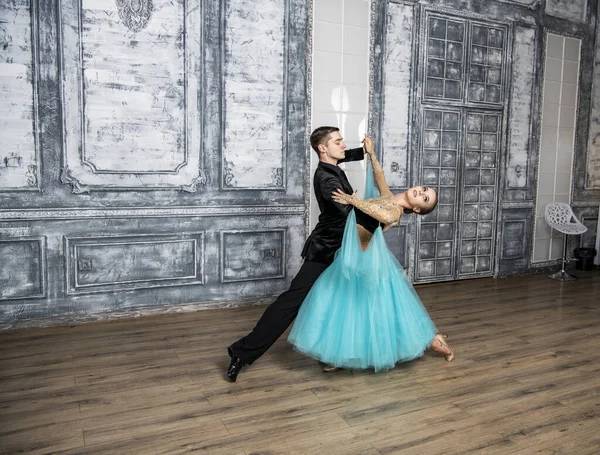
(363, 311)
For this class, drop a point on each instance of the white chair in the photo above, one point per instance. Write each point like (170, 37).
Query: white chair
(560, 216)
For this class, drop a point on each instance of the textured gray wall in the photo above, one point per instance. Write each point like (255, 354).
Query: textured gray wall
(150, 158)
(155, 158)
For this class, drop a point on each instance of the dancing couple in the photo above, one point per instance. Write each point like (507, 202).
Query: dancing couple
(353, 303)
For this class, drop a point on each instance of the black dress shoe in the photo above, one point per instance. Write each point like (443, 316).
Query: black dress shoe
(235, 366)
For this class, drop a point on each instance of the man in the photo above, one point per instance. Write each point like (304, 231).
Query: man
(318, 250)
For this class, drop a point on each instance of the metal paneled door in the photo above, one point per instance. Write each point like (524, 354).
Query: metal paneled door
(461, 112)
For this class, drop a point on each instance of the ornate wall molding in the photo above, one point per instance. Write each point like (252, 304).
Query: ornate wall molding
(144, 261)
(252, 255)
(23, 268)
(19, 121)
(255, 80)
(132, 123)
(135, 212)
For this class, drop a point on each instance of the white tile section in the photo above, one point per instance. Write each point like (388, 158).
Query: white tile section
(340, 79)
(557, 142)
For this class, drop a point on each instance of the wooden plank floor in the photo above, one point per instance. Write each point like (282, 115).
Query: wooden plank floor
(525, 381)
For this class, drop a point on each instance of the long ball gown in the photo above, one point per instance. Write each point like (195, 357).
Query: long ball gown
(363, 311)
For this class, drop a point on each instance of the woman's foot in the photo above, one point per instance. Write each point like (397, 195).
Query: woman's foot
(330, 369)
(439, 345)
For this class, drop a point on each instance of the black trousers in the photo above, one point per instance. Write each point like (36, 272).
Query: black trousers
(279, 315)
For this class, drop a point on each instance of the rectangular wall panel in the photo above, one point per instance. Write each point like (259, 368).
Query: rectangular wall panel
(19, 142)
(252, 255)
(520, 130)
(253, 94)
(515, 227)
(592, 174)
(574, 10)
(102, 264)
(131, 94)
(397, 77)
(22, 268)
(513, 239)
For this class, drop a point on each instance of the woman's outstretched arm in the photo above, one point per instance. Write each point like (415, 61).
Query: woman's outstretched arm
(382, 185)
(382, 210)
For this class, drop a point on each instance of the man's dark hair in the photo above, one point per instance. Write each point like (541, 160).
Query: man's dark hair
(320, 136)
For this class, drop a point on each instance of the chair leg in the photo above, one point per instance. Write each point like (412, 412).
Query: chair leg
(563, 275)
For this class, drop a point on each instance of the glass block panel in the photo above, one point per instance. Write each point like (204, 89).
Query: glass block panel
(431, 177)
(431, 139)
(445, 59)
(477, 73)
(473, 141)
(444, 250)
(435, 68)
(445, 212)
(487, 193)
(426, 269)
(443, 267)
(470, 213)
(427, 250)
(437, 28)
(436, 48)
(455, 31)
(467, 247)
(469, 230)
(487, 53)
(473, 159)
(472, 176)
(467, 265)
(448, 177)
(496, 38)
(445, 231)
(434, 88)
(476, 92)
(450, 140)
(488, 176)
(486, 212)
(433, 120)
(471, 194)
(490, 124)
(451, 121)
(483, 264)
(431, 158)
(447, 195)
(480, 35)
(474, 122)
(484, 230)
(453, 71)
(484, 247)
(452, 89)
(428, 232)
(478, 197)
(448, 158)
(488, 160)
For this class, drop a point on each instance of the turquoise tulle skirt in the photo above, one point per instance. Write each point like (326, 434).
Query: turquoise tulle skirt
(363, 311)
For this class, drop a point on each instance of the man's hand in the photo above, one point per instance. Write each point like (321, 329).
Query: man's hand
(342, 198)
(369, 145)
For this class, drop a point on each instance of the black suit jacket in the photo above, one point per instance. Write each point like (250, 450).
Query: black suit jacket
(326, 237)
